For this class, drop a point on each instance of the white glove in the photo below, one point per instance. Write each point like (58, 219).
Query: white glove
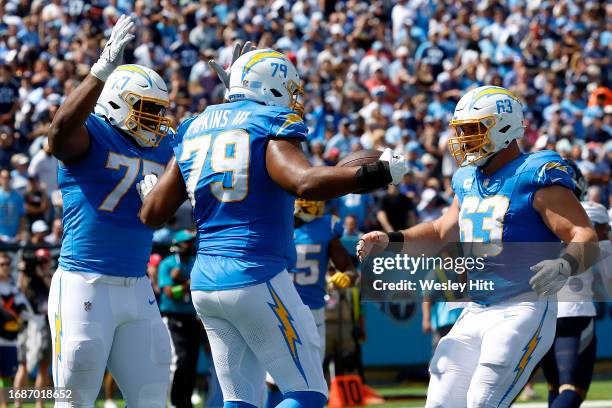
(224, 74)
(145, 186)
(550, 276)
(397, 165)
(112, 54)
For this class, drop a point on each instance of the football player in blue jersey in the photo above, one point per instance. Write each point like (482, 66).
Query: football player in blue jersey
(501, 196)
(241, 164)
(317, 240)
(102, 309)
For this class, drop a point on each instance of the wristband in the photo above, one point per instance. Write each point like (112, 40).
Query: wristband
(395, 236)
(177, 291)
(574, 264)
(374, 175)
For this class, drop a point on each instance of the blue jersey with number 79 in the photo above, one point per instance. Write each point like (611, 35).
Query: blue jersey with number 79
(244, 219)
(102, 231)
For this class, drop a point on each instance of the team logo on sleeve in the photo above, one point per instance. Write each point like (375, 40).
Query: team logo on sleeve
(556, 165)
(290, 119)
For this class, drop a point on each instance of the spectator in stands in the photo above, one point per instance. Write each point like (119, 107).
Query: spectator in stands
(34, 349)
(19, 174)
(397, 211)
(57, 231)
(40, 230)
(44, 167)
(350, 236)
(12, 210)
(13, 309)
(9, 95)
(37, 203)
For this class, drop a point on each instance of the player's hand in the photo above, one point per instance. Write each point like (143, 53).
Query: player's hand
(372, 243)
(145, 186)
(113, 50)
(340, 280)
(426, 326)
(550, 276)
(224, 74)
(397, 165)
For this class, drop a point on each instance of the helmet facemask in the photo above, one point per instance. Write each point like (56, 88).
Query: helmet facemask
(472, 143)
(307, 210)
(146, 121)
(296, 92)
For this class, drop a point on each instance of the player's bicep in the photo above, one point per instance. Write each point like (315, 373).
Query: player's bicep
(165, 198)
(285, 162)
(561, 211)
(71, 148)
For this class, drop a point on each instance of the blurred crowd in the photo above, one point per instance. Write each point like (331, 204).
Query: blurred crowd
(375, 74)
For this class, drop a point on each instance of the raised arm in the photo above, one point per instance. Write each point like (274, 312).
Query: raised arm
(290, 169)
(161, 198)
(68, 137)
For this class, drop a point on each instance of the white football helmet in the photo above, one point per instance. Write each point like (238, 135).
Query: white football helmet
(134, 99)
(485, 121)
(268, 77)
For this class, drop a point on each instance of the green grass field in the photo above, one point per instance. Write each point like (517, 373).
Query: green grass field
(412, 395)
(600, 390)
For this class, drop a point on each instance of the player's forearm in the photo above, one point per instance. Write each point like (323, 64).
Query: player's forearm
(66, 131)
(325, 183)
(583, 248)
(290, 169)
(165, 198)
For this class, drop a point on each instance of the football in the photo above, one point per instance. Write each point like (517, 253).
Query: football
(359, 159)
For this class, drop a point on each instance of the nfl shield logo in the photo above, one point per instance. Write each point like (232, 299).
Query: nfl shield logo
(486, 182)
(87, 306)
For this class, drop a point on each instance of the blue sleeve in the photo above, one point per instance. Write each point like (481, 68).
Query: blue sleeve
(163, 275)
(288, 124)
(179, 134)
(337, 227)
(554, 173)
(460, 183)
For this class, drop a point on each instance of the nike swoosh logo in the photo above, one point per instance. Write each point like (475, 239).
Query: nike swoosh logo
(557, 179)
(151, 301)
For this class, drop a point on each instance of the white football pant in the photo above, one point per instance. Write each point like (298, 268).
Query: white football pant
(258, 328)
(319, 318)
(98, 321)
(489, 354)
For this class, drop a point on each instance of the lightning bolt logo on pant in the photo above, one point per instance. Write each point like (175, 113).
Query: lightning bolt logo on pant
(292, 339)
